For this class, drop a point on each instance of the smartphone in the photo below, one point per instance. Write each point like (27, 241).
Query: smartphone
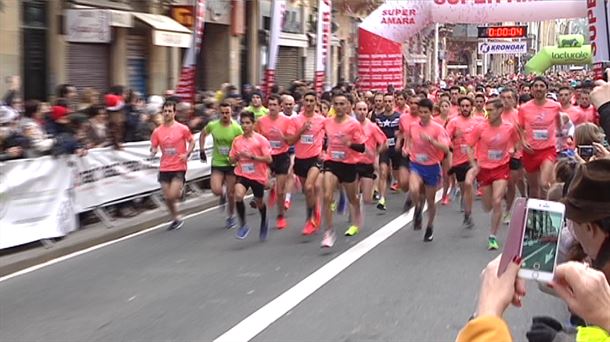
(514, 238)
(542, 227)
(586, 151)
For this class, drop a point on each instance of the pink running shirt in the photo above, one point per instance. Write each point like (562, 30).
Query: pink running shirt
(173, 141)
(576, 115)
(421, 151)
(494, 145)
(276, 132)
(374, 138)
(539, 123)
(252, 169)
(310, 143)
(460, 130)
(404, 126)
(337, 132)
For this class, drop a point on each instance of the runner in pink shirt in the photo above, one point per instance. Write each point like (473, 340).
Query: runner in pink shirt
(565, 99)
(428, 143)
(540, 121)
(172, 137)
(375, 143)
(443, 119)
(403, 147)
(308, 140)
(494, 142)
(277, 127)
(251, 152)
(517, 174)
(346, 143)
(589, 113)
(460, 130)
(401, 103)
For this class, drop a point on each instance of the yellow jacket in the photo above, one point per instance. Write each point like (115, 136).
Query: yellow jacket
(484, 329)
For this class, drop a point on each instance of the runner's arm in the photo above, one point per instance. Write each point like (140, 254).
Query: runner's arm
(202, 156)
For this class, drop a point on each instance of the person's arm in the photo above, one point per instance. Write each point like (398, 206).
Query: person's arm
(291, 140)
(600, 97)
(154, 144)
(484, 329)
(202, 156)
(604, 118)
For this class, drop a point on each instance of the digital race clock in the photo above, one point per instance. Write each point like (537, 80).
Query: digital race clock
(503, 32)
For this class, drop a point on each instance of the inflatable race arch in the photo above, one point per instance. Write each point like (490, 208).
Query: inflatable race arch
(382, 33)
(569, 51)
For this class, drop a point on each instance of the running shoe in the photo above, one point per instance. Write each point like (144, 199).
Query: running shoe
(310, 228)
(176, 224)
(506, 218)
(352, 230)
(376, 195)
(230, 223)
(317, 217)
(479, 192)
(222, 203)
(264, 231)
(287, 204)
(342, 207)
(333, 207)
(394, 187)
(445, 200)
(492, 243)
(242, 232)
(417, 219)
(381, 204)
(253, 204)
(272, 199)
(329, 239)
(468, 221)
(280, 223)
(408, 204)
(428, 236)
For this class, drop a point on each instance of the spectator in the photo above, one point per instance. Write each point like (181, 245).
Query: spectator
(600, 97)
(31, 127)
(89, 98)
(183, 113)
(116, 119)
(12, 143)
(134, 112)
(97, 128)
(152, 120)
(68, 93)
(65, 134)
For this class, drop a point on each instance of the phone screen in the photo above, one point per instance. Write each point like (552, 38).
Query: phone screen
(586, 151)
(541, 239)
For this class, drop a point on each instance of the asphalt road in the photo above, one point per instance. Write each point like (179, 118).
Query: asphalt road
(198, 283)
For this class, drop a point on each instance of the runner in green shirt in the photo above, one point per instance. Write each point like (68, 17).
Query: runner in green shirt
(223, 131)
(256, 106)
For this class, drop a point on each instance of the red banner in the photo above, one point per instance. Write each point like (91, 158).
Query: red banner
(380, 62)
(186, 85)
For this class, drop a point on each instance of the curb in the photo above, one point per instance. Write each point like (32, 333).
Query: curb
(39, 255)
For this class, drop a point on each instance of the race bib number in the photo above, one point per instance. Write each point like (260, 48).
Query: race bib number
(495, 154)
(337, 155)
(421, 157)
(391, 141)
(170, 151)
(224, 150)
(464, 148)
(275, 143)
(307, 139)
(247, 167)
(541, 134)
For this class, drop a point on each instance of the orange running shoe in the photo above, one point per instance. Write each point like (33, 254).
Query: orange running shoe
(310, 228)
(394, 186)
(445, 200)
(280, 223)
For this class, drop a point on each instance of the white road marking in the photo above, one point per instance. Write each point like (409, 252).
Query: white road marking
(96, 247)
(272, 311)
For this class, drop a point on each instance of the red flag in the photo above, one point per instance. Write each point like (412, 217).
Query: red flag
(186, 86)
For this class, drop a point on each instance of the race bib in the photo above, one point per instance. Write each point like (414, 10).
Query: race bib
(307, 139)
(495, 154)
(421, 157)
(464, 148)
(391, 141)
(337, 155)
(247, 167)
(541, 134)
(224, 150)
(170, 151)
(275, 143)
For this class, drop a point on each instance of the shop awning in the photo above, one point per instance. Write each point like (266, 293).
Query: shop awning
(167, 31)
(104, 4)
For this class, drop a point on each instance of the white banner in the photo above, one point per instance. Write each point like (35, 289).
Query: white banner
(87, 26)
(278, 7)
(105, 175)
(323, 36)
(598, 30)
(36, 201)
(513, 48)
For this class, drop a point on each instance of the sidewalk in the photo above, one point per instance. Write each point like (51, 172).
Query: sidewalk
(87, 236)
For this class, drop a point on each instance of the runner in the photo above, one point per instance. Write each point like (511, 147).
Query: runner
(345, 144)
(454, 93)
(378, 108)
(479, 105)
(308, 140)
(401, 103)
(494, 142)
(428, 142)
(442, 119)
(565, 99)
(275, 127)
(375, 143)
(402, 145)
(540, 120)
(389, 123)
(223, 131)
(251, 153)
(256, 106)
(288, 110)
(172, 137)
(587, 109)
(460, 130)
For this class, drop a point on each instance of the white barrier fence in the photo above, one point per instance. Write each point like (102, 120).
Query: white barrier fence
(39, 198)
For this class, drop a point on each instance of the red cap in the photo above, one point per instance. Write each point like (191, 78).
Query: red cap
(59, 112)
(113, 102)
